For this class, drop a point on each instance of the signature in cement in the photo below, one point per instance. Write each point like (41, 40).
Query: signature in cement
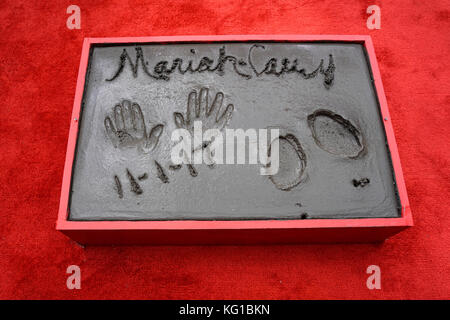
(244, 67)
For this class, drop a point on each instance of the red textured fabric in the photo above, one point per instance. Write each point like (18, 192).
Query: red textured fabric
(38, 71)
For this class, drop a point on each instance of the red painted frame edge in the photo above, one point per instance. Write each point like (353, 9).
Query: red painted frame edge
(232, 232)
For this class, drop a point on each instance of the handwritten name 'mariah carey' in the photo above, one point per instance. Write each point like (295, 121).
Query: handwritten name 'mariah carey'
(247, 69)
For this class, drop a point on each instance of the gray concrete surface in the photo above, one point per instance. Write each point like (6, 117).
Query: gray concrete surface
(334, 160)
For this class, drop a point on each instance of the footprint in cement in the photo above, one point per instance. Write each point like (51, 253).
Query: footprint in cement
(292, 163)
(335, 134)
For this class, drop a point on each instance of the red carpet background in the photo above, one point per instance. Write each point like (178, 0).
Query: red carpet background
(38, 71)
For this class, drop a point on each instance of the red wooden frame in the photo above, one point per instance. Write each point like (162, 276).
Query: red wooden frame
(232, 232)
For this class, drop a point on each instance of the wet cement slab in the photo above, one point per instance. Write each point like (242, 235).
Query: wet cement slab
(334, 162)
